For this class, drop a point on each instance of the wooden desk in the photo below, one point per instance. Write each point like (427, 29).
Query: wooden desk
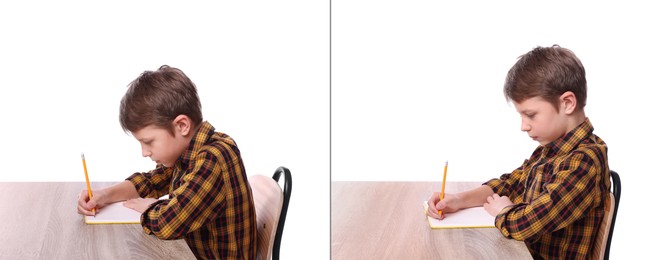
(38, 220)
(385, 220)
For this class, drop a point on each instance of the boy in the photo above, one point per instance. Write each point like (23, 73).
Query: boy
(555, 200)
(210, 203)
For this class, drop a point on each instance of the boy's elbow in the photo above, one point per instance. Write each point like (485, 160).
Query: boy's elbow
(520, 235)
(515, 230)
(166, 235)
(530, 234)
(164, 232)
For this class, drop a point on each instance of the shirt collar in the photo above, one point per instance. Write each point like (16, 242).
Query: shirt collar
(569, 141)
(204, 132)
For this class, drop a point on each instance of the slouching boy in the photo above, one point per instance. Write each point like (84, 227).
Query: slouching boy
(209, 202)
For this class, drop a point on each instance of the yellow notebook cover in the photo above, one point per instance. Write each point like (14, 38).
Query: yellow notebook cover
(114, 213)
(466, 218)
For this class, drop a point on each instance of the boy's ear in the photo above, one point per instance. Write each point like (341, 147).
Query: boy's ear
(182, 124)
(567, 102)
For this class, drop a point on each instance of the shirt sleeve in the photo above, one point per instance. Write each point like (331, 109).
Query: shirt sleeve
(200, 198)
(564, 198)
(152, 184)
(510, 184)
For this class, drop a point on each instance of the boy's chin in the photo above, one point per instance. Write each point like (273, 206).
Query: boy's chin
(167, 164)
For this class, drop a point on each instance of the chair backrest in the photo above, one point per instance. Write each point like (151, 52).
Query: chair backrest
(285, 206)
(601, 244)
(601, 248)
(617, 189)
(271, 205)
(268, 203)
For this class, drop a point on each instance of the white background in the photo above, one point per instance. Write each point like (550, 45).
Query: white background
(415, 83)
(261, 68)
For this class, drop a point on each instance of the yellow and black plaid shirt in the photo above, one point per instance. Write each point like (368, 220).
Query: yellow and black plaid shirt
(558, 196)
(210, 203)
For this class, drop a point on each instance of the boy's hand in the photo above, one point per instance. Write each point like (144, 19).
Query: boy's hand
(139, 204)
(85, 204)
(496, 203)
(449, 204)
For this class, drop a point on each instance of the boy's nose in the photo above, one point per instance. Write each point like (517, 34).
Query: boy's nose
(525, 127)
(145, 153)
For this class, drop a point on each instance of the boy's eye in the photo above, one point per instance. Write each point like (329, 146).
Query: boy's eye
(531, 116)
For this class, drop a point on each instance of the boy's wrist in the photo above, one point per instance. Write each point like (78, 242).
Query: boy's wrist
(101, 196)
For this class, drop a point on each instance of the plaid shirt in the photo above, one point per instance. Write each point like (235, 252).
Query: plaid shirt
(210, 203)
(558, 196)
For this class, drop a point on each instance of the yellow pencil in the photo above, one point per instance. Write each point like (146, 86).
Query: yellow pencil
(87, 180)
(442, 195)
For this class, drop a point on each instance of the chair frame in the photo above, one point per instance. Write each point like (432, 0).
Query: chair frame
(285, 205)
(617, 189)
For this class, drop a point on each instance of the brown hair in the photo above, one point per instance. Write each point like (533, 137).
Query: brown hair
(157, 98)
(547, 72)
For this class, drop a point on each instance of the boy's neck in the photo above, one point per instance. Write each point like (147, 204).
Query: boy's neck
(193, 132)
(575, 119)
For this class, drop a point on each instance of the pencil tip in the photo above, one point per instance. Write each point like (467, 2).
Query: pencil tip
(82, 155)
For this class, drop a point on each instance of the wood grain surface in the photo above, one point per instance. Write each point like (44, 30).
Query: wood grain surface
(386, 220)
(38, 220)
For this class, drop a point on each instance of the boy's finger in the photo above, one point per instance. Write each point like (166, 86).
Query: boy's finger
(430, 206)
(82, 204)
(432, 212)
(84, 211)
(440, 205)
(90, 204)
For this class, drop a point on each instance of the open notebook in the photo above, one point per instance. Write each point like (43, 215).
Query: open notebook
(114, 213)
(466, 218)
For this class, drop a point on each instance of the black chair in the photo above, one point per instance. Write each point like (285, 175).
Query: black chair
(285, 205)
(601, 249)
(271, 204)
(616, 186)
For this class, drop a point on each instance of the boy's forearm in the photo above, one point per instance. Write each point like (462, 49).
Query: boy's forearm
(121, 191)
(475, 197)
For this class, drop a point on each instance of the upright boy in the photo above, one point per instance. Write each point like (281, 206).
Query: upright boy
(210, 202)
(555, 200)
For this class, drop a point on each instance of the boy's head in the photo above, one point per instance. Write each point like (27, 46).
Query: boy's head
(161, 109)
(548, 89)
(157, 98)
(546, 72)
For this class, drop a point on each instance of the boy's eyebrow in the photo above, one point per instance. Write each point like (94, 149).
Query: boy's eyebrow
(527, 110)
(144, 139)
